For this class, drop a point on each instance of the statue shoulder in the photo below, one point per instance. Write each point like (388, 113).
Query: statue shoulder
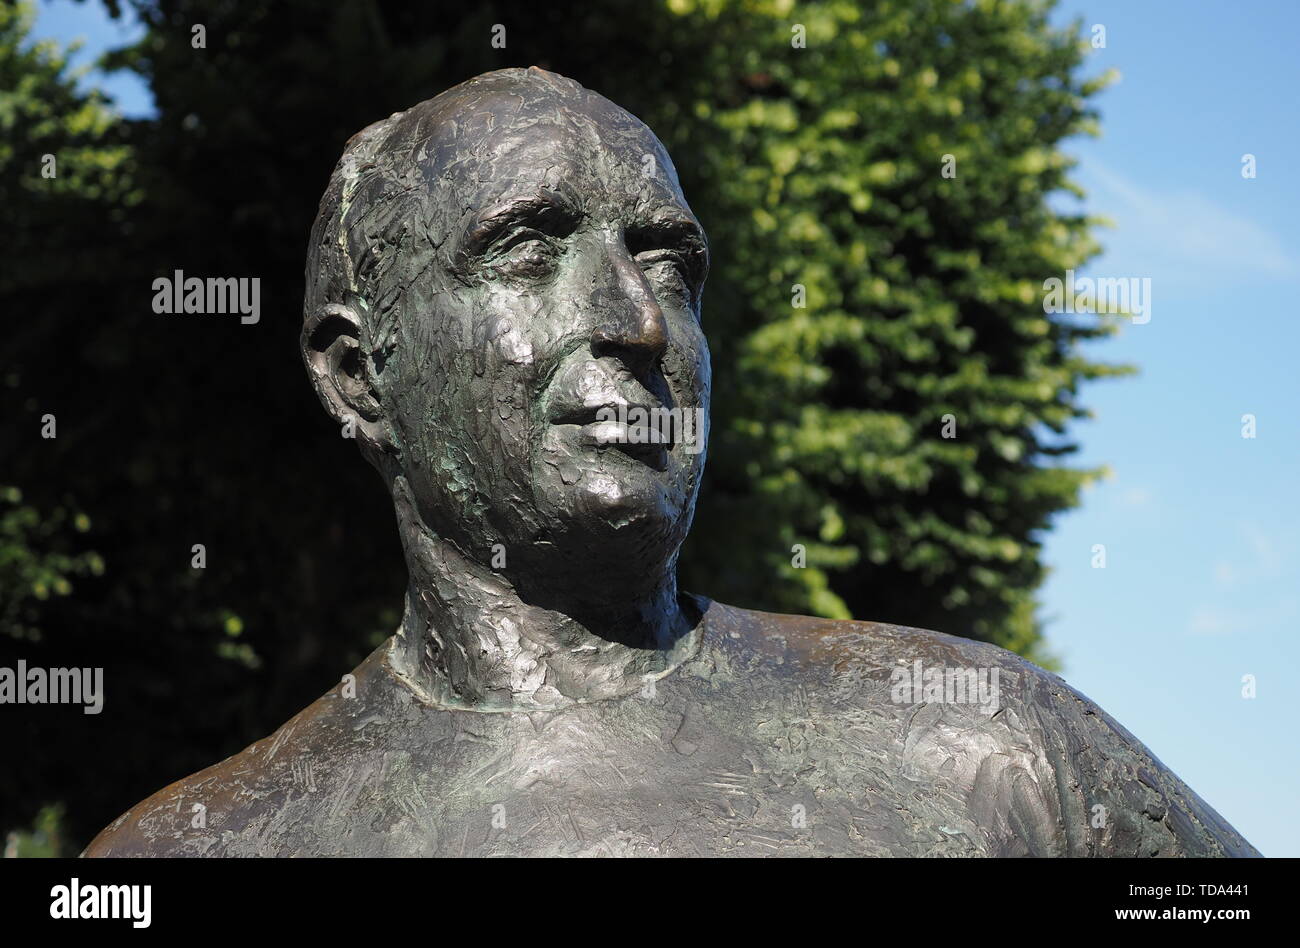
(838, 647)
(174, 820)
(1047, 771)
(242, 804)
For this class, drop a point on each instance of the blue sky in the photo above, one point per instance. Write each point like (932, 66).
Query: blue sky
(1201, 526)
(65, 21)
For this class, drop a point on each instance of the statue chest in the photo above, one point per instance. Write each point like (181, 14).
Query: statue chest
(641, 778)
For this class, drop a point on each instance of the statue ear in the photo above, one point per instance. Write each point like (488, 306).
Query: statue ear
(331, 347)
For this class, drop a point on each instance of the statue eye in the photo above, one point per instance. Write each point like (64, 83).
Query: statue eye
(666, 265)
(526, 253)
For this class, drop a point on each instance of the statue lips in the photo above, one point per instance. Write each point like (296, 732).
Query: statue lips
(615, 426)
(642, 441)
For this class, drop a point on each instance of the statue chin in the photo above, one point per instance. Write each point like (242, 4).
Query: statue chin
(616, 485)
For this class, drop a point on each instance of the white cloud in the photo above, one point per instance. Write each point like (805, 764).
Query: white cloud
(1218, 621)
(1135, 497)
(1182, 233)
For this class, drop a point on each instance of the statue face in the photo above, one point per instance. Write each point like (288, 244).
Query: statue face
(565, 292)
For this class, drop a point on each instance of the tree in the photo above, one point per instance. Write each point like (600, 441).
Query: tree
(894, 398)
(65, 186)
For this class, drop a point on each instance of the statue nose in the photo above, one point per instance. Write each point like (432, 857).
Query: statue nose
(630, 325)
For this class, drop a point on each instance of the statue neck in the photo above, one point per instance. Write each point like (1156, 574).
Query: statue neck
(468, 640)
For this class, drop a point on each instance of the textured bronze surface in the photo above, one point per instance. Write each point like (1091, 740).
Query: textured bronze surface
(489, 271)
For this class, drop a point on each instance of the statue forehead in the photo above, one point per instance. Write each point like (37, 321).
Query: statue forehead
(475, 146)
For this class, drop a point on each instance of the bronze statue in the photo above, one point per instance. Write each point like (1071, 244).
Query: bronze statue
(503, 284)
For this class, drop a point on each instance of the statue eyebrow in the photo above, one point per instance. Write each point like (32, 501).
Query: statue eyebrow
(546, 211)
(668, 228)
(672, 230)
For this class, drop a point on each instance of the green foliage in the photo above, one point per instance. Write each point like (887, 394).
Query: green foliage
(35, 562)
(55, 211)
(45, 840)
(63, 162)
(817, 166)
(922, 303)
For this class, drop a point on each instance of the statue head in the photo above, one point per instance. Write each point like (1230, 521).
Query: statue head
(503, 283)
